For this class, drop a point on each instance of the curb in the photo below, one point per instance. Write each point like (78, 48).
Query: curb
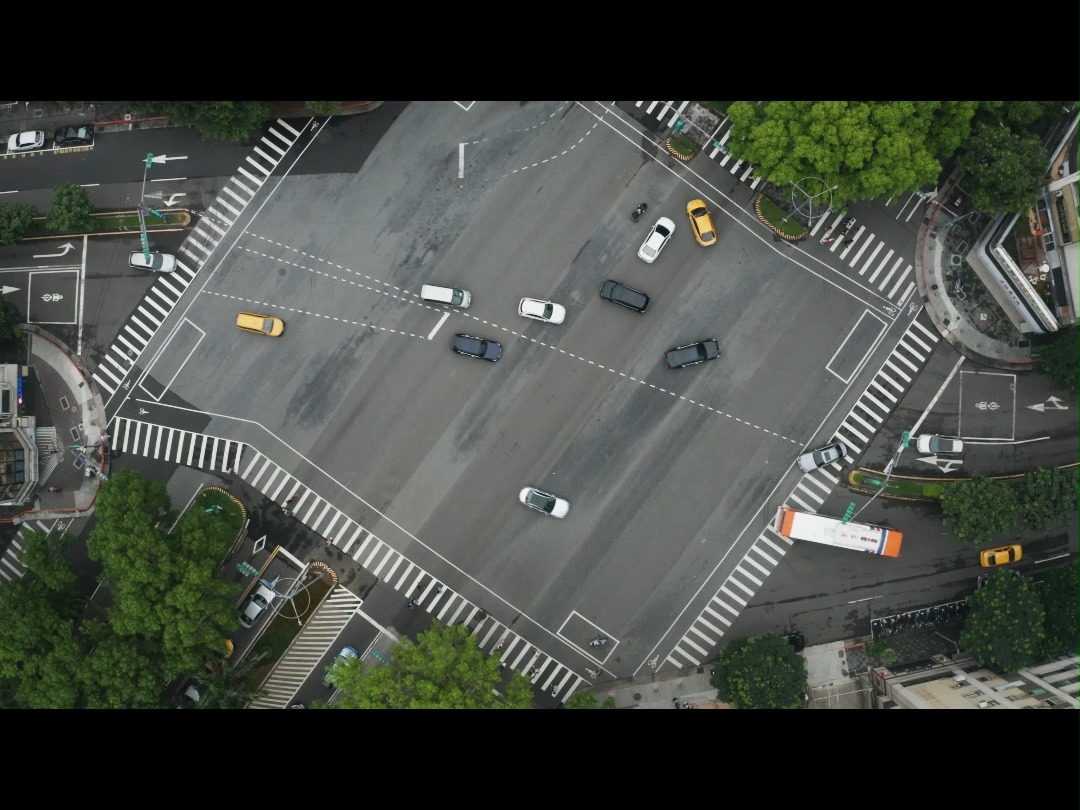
(677, 153)
(770, 226)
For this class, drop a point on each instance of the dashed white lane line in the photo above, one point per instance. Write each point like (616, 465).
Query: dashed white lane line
(414, 299)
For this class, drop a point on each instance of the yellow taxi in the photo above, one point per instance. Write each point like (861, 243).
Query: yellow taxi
(990, 557)
(263, 324)
(701, 222)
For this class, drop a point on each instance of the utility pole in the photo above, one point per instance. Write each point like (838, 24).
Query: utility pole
(144, 210)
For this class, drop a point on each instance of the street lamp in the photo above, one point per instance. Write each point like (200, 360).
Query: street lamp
(804, 187)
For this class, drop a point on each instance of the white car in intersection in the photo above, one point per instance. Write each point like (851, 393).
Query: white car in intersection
(539, 310)
(658, 237)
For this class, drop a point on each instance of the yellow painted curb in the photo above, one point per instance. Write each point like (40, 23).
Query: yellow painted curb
(770, 226)
(677, 153)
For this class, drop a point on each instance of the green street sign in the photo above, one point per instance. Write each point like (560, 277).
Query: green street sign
(244, 568)
(906, 438)
(850, 511)
(149, 159)
(157, 214)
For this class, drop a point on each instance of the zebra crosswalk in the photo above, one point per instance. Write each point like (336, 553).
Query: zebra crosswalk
(669, 112)
(178, 446)
(361, 545)
(210, 228)
(856, 430)
(406, 577)
(898, 280)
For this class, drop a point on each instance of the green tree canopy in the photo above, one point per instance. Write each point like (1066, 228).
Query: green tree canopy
(1048, 497)
(443, 669)
(587, 700)
(1005, 170)
(39, 652)
(977, 509)
(15, 221)
(1059, 595)
(760, 672)
(1004, 628)
(860, 149)
(165, 586)
(10, 318)
(70, 210)
(213, 120)
(1056, 358)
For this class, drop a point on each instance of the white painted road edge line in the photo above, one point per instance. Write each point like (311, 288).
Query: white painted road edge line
(461, 161)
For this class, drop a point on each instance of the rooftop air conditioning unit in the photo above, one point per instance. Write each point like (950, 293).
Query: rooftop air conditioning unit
(960, 678)
(983, 704)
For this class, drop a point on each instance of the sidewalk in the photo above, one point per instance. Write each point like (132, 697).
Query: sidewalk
(77, 413)
(971, 320)
(117, 116)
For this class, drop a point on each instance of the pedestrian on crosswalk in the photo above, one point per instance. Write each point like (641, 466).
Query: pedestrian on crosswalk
(848, 241)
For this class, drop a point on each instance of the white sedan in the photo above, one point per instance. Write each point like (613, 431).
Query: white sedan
(544, 502)
(658, 237)
(25, 141)
(541, 310)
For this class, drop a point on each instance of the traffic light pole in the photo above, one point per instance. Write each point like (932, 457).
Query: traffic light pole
(144, 209)
(905, 440)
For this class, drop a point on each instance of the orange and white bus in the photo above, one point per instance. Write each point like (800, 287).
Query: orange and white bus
(831, 531)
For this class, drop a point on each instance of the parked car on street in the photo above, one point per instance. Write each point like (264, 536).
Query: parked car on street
(260, 600)
(344, 654)
(25, 141)
(938, 444)
(74, 136)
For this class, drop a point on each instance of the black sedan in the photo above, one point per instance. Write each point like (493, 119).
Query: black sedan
(692, 353)
(74, 136)
(477, 347)
(624, 296)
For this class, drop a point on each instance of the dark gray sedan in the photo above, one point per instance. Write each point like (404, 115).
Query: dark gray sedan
(471, 346)
(692, 353)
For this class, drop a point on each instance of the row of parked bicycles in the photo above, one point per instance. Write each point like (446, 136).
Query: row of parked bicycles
(935, 616)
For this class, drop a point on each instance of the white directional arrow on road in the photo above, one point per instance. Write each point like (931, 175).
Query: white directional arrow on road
(166, 158)
(943, 464)
(1053, 404)
(172, 197)
(65, 248)
(5, 290)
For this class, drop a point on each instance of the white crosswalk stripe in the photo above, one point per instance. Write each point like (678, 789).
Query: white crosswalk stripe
(168, 288)
(749, 574)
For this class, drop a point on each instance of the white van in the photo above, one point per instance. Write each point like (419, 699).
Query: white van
(446, 295)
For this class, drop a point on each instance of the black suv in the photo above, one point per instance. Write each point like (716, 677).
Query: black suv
(624, 296)
(74, 136)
